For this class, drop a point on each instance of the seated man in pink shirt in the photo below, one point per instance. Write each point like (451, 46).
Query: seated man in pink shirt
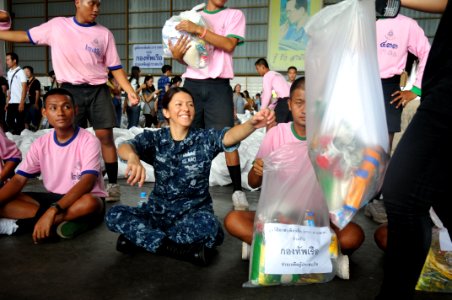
(83, 52)
(273, 81)
(10, 157)
(68, 159)
(240, 223)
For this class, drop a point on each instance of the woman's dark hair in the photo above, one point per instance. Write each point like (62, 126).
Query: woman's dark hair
(135, 73)
(58, 91)
(170, 93)
(176, 79)
(146, 78)
(297, 84)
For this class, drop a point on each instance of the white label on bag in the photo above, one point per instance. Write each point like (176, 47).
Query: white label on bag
(296, 249)
(445, 244)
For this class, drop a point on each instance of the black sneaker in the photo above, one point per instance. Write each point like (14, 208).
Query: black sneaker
(127, 247)
(196, 253)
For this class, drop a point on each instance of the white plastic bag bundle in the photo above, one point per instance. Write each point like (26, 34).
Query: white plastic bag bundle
(292, 241)
(347, 131)
(196, 56)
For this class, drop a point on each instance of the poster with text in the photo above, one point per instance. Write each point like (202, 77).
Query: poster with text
(148, 56)
(287, 38)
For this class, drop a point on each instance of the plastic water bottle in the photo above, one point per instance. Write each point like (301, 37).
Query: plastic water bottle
(143, 199)
(309, 219)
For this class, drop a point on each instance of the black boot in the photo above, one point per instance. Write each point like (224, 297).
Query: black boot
(196, 253)
(127, 247)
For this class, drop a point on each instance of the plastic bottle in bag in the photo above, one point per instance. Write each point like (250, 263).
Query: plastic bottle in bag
(143, 199)
(309, 218)
(360, 186)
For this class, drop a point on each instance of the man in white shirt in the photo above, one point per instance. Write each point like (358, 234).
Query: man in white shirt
(16, 96)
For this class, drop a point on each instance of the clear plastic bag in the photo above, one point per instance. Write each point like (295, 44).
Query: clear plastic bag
(347, 131)
(292, 243)
(197, 55)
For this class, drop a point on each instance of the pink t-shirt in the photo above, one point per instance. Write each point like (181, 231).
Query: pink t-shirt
(281, 134)
(273, 81)
(5, 25)
(8, 150)
(81, 53)
(395, 38)
(62, 165)
(226, 22)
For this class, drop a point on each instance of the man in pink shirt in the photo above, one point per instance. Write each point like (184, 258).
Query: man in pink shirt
(273, 81)
(10, 157)
(82, 53)
(5, 24)
(210, 86)
(68, 159)
(240, 224)
(396, 38)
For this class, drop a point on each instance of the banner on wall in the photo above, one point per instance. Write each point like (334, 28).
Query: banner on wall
(148, 56)
(287, 38)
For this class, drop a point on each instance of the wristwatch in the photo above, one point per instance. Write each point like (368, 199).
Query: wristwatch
(58, 207)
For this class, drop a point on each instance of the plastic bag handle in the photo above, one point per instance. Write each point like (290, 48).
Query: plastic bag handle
(199, 7)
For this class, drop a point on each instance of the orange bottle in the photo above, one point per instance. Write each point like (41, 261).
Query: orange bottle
(372, 161)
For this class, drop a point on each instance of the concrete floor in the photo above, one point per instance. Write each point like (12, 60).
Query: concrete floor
(89, 267)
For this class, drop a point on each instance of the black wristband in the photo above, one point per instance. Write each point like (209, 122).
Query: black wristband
(58, 207)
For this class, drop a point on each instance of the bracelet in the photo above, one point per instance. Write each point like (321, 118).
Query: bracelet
(58, 207)
(202, 35)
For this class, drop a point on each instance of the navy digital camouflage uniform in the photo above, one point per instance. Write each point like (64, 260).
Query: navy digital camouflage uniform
(180, 206)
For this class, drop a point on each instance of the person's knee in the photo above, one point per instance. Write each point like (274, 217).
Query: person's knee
(381, 236)
(89, 204)
(105, 137)
(230, 221)
(351, 238)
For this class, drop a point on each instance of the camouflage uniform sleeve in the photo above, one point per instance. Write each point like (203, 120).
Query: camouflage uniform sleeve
(143, 145)
(217, 141)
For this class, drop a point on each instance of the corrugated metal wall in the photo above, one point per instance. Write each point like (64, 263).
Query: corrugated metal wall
(140, 21)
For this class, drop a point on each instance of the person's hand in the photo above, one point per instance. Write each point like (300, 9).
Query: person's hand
(157, 92)
(43, 226)
(133, 98)
(263, 118)
(6, 107)
(135, 172)
(258, 167)
(401, 98)
(36, 105)
(189, 27)
(21, 106)
(179, 49)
